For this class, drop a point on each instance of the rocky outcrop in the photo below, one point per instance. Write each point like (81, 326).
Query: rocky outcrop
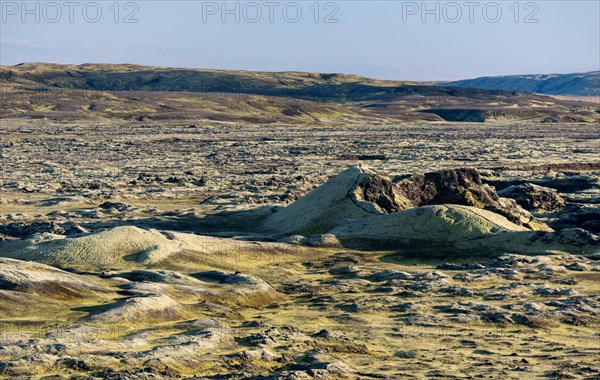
(454, 209)
(456, 186)
(381, 191)
(25, 230)
(461, 187)
(579, 216)
(359, 193)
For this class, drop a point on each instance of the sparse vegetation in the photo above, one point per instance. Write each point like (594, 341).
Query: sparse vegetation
(335, 227)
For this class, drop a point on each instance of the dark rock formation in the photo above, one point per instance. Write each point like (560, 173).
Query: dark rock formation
(534, 197)
(380, 190)
(577, 216)
(456, 186)
(119, 206)
(26, 230)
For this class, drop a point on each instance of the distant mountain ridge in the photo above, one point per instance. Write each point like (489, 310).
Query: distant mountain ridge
(334, 87)
(579, 84)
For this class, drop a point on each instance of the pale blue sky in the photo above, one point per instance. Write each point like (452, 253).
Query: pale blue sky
(381, 39)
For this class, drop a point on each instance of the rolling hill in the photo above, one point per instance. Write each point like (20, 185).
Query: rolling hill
(141, 93)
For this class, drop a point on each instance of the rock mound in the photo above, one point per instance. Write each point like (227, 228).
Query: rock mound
(444, 223)
(158, 276)
(127, 247)
(247, 290)
(323, 208)
(102, 249)
(152, 308)
(43, 280)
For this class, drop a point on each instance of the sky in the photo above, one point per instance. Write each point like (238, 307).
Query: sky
(402, 40)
